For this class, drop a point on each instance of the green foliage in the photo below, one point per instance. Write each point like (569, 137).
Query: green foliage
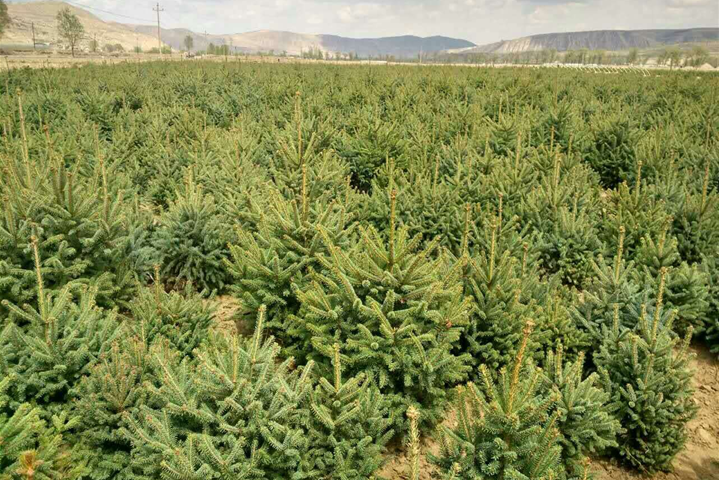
(394, 316)
(494, 282)
(686, 287)
(182, 318)
(112, 389)
(78, 223)
(611, 291)
(270, 181)
(57, 343)
(612, 150)
(585, 421)
(349, 426)
(710, 327)
(4, 18)
(506, 429)
(191, 241)
(69, 28)
(270, 264)
(32, 447)
(646, 370)
(368, 147)
(234, 414)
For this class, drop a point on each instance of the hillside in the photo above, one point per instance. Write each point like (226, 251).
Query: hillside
(43, 15)
(295, 43)
(598, 40)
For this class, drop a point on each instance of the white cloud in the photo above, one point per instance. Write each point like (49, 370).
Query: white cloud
(314, 20)
(361, 11)
(690, 3)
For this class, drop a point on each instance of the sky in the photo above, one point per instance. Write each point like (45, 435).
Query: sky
(480, 21)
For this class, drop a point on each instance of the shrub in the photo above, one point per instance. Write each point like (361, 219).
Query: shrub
(57, 343)
(504, 430)
(233, 414)
(270, 264)
(646, 370)
(182, 318)
(393, 315)
(78, 226)
(191, 241)
(585, 419)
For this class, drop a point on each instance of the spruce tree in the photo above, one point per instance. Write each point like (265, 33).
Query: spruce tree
(505, 428)
(585, 419)
(58, 342)
(635, 208)
(77, 220)
(191, 242)
(712, 319)
(646, 370)
(491, 279)
(183, 318)
(236, 414)
(272, 262)
(32, 448)
(393, 314)
(685, 285)
(348, 427)
(112, 389)
(612, 286)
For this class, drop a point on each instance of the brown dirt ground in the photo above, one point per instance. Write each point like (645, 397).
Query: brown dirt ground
(698, 461)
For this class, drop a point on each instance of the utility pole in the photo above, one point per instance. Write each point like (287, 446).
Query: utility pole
(32, 24)
(157, 9)
(206, 43)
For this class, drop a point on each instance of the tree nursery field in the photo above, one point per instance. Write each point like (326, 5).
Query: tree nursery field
(513, 263)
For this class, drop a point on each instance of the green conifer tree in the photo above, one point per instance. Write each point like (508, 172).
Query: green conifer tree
(58, 342)
(236, 414)
(585, 421)
(183, 318)
(191, 241)
(505, 428)
(30, 447)
(78, 222)
(493, 282)
(613, 286)
(686, 286)
(112, 389)
(348, 429)
(646, 370)
(393, 315)
(271, 263)
(712, 319)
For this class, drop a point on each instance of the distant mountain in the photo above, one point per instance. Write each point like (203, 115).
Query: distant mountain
(597, 40)
(42, 16)
(295, 43)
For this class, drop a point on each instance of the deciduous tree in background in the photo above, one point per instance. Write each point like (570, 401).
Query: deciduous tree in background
(189, 42)
(4, 17)
(632, 56)
(69, 28)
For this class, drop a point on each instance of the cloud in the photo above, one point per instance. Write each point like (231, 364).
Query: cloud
(690, 3)
(554, 2)
(361, 12)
